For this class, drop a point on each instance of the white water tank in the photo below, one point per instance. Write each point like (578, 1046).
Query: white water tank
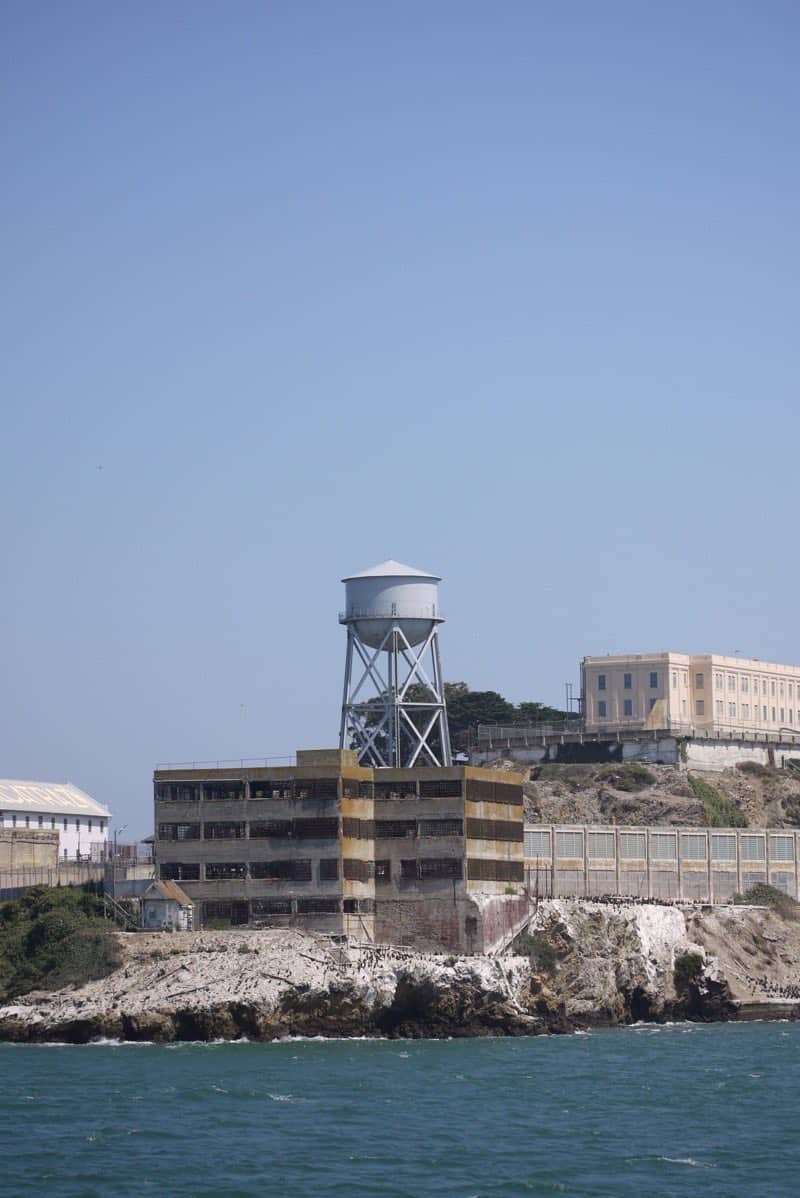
(391, 593)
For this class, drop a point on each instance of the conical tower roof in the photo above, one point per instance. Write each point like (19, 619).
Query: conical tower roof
(392, 569)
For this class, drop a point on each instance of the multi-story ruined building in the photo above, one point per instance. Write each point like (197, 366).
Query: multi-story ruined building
(426, 856)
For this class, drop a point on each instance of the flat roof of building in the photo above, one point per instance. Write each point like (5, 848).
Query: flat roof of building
(60, 798)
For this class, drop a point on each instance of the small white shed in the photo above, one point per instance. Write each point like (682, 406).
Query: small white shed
(166, 908)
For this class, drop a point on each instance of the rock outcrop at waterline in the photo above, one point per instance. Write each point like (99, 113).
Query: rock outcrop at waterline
(585, 964)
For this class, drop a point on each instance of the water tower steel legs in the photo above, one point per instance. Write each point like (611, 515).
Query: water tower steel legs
(375, 726)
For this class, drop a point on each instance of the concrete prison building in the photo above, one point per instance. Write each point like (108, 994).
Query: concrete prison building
(426, 856)
(80, 821)
(707, 694)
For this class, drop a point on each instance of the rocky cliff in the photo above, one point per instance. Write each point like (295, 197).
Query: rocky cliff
(580, 964)
(634, 794)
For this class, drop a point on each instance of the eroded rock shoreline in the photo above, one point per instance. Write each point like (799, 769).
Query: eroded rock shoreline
(586, 964)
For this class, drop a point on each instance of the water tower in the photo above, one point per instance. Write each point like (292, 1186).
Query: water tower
(393, 710)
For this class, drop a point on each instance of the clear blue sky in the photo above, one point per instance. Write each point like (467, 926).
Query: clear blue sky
(506, 291)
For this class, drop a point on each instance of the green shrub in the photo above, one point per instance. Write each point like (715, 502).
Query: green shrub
(51, 938)
(544, 957)
(721, 812)
(574, 777)
(631, 777)
(688, 971)
(755, 768)
(763, 895)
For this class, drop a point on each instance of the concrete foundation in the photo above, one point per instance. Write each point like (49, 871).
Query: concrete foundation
(698, 752)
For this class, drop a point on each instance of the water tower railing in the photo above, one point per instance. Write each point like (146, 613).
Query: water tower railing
(394, 611)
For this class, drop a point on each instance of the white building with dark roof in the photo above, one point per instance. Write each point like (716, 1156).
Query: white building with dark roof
(81, 822)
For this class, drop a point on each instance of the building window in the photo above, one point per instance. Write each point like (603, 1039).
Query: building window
(772, 688)
(718, 707)
(732, 710)
(731, 682)
(628, 707)
(745, 711)
(653, 679)
(698, 681)
(90, 825)
(791, 721)
(13, 821)
(674, 678)
(627, 681)
(53, 820)
(763, 686)
(329, 869)
(652, 704)
(65, 825)
(219, 870)
(783, 716)
(683, 707)
(745, 685)
(27, 821)
(764, 714)
(601, 682)
(773, 715)
(601, 709)
(77, 825)
(41, 821)
(174, 871)
(718, 682)
(790, 690)
(700, 707)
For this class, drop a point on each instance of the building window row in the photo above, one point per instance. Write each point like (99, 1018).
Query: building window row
(50, 822)
(386, 829)
(774, 715)
(780, 688)
(627, 681)
(302, 870)
(325, 789)
(277, 829)
(291, 870)
(239, 789)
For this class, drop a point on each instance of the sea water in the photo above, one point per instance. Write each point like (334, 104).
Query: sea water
(677, 1110)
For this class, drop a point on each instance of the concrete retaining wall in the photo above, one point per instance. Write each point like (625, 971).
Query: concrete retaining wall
(700, 752)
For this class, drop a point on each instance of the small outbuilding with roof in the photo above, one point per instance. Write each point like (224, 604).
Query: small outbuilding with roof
(166, 908)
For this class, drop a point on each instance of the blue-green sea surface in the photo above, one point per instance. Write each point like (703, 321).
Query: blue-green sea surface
(677, 1110)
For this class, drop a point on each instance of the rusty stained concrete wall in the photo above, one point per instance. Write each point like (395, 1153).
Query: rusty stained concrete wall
(457, 923)
(496, 850)
(24, 847)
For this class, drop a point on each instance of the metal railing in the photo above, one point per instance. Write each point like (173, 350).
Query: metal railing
(396, 611)
(520, 734)
(492, 732)
(225, 762)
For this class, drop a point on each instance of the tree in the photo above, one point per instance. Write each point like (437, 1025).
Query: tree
(467, 708)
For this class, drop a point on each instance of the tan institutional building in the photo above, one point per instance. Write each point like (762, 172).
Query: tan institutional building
(704, 693)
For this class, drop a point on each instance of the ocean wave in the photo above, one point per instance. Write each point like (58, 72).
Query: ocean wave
(686, 1160)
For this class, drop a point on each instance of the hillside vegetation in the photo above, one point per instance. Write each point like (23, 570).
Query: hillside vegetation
(630, 793)
(52, 938)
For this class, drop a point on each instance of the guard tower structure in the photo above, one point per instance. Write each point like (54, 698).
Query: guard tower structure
(393, 707)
